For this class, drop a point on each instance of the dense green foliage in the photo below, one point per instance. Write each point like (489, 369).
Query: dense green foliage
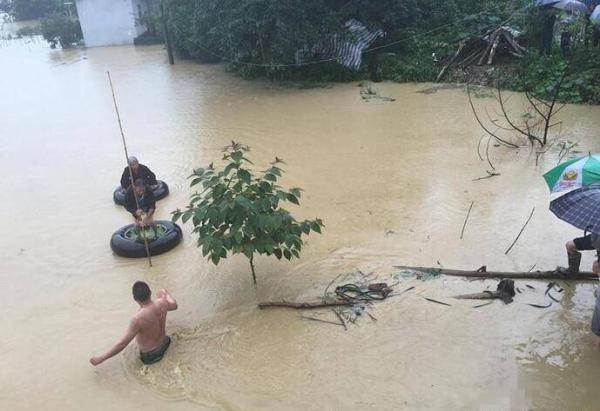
(29, 9)
(258, 32)
(61, 28)
(238, 212)
(539, 74)
(421, 35)
(28, 31)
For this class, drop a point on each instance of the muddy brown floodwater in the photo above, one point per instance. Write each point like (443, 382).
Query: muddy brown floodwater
(391, 180)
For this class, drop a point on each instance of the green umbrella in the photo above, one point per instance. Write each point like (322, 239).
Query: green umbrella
(582, 171)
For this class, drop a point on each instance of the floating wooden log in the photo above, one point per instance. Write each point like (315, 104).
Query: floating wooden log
(303, 306)
(486, 295)
(536, 275)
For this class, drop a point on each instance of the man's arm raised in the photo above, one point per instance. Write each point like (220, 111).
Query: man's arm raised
(120, 345)
(166, 298)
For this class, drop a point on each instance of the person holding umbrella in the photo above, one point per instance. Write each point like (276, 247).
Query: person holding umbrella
(580, 207)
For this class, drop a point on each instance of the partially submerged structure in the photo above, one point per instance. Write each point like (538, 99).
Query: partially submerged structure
(114, 22)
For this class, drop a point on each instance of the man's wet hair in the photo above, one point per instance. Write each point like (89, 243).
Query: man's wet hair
(141, 291)
(132, 160)
(139, 183)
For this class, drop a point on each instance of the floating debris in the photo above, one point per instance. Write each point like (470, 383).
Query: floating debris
(437, 302)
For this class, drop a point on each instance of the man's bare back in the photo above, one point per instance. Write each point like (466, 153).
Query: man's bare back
(147, 326)
(150, 321)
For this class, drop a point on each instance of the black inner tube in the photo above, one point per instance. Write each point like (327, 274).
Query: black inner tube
(160, 192)
(124, 244)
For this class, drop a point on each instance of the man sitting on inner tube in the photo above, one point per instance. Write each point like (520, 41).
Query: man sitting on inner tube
(145, 200)
(139, 171)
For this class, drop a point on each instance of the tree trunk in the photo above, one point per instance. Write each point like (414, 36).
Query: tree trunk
(252, 268)
(536, 275)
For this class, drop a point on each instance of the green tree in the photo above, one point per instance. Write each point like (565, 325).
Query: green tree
(240, 213)
(29, 9)
(59, 27)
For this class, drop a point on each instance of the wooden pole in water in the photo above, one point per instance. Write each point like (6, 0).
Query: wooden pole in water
(166, 33)
(137, 204)
(483, 273)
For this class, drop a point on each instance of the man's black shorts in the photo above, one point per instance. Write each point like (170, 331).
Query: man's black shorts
(584, 243)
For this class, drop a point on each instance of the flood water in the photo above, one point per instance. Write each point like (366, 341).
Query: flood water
(392, 182)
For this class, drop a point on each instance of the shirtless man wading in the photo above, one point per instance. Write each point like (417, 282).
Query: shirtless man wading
(147, 326)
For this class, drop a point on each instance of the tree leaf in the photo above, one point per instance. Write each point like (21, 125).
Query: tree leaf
(238, 237)
(186, 216)
(315, 227)
(237, 156)
(244, 175)
(292, 199)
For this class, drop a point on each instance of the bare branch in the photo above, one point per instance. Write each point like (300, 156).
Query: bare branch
(487, 153)
(513, 125)
(483, 126)
(535, 107)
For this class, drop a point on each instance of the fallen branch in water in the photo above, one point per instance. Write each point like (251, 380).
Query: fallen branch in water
(462, 233)
(339, 316)
(505, 291)
(520, 232)
(486, 295)
(303, 306)
(437, 302)
(483, 305)
(320, 320)
(490, 175)
(536, 275)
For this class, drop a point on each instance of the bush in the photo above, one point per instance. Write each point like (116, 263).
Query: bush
(539, 74)
(62, 29)
(238, 212)
(28, 31)
(29, 9)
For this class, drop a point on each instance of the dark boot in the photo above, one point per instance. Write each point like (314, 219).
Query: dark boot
(574, 263)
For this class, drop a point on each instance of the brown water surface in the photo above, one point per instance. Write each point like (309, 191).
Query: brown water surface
(391, 180)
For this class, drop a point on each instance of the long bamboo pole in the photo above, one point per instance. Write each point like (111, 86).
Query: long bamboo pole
(137, 204)
(539, 275)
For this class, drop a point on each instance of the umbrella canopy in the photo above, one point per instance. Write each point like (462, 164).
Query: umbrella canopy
(580, 208)
(573, 6)
(582, 171)
(595, 17)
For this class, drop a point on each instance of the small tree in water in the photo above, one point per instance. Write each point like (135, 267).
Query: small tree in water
(239, 212)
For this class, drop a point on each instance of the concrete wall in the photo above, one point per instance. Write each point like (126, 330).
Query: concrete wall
(107, 22)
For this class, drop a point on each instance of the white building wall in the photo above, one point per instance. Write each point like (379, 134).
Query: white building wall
(107, 22)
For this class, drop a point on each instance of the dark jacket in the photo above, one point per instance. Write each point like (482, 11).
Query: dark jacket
(143, 172)
(146, 201)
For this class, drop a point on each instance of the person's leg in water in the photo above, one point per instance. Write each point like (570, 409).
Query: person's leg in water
(574, 255)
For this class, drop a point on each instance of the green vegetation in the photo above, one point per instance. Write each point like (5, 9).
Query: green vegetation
(28, 31)
(241, 213)
(151, 233)
(58, 21)
(62, 29)
(257, 32)
(259, 38)
(539, 74)
(29, 9)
